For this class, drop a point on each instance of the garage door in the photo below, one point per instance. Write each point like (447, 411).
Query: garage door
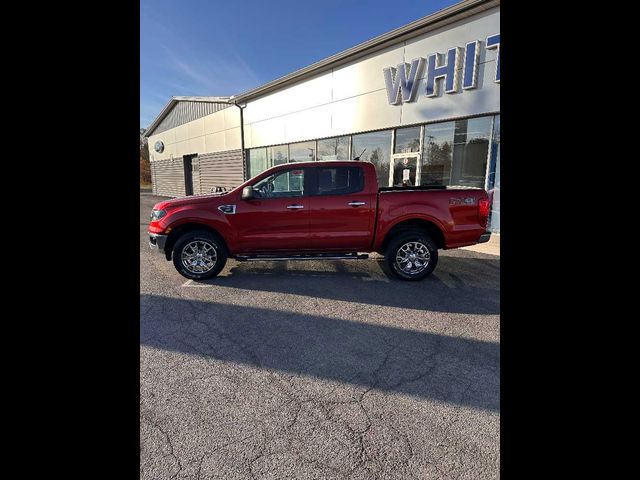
(221, 169)
(168, 177)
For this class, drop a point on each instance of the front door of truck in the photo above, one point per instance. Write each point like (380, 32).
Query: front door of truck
(277, 219)
(342, 211)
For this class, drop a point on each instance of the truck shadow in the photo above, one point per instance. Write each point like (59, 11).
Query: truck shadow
(358, 356)
(460, 284)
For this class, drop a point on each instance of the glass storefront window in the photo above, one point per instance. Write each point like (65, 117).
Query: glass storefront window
(333, 149)
(437, 153)
(453, 153)
(378, 149)
(407, 140)
(302, 152)
(471, 151)
(278, 155)
(456, 153)
(257, 161)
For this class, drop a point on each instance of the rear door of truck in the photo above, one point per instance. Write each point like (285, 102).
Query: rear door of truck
(342, 209)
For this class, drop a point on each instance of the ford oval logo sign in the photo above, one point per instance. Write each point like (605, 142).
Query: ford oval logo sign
(159, 147)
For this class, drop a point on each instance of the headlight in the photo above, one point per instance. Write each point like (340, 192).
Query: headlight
(157, 214)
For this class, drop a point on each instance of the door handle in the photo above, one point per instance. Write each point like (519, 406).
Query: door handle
(355, 204)
(295, 207)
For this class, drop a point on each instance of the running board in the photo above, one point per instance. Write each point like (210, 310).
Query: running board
(318, 256)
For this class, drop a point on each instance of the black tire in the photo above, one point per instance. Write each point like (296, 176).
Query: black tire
(200, 239)
(414, 239)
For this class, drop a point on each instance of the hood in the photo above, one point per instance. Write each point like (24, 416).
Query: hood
(191, 200)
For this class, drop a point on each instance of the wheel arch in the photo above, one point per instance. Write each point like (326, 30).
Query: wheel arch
(180, 230)
(431, 228)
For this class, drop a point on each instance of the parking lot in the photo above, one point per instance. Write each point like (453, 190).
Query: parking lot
(319, 370)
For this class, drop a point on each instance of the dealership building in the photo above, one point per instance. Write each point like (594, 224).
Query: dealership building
(421, 102)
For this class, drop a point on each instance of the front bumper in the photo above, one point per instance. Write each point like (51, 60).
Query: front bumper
(484, 238)
(157, 241)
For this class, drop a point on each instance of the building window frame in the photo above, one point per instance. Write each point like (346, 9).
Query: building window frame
(393, 149)
(489, 153)
(420, 152)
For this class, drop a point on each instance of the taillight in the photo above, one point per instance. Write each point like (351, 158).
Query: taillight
(483, 211)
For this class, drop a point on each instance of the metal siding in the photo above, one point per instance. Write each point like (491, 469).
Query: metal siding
(221, 169)
(185, 112)
(168, 178)
(153, 178)
(244, 166)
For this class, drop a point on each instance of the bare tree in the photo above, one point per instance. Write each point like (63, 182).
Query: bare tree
(145, 165)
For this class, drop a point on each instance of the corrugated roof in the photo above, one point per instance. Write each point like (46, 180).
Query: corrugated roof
(173, 115)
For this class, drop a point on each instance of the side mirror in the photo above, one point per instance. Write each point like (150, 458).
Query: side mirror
(247, 193)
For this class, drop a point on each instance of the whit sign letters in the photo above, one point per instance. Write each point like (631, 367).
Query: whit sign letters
(449, 69)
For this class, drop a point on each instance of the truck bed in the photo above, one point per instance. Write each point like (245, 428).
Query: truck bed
(454, 210)
(426, 187)
(399, 189)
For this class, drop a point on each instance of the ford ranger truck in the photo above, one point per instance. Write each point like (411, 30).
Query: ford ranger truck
(318, 210)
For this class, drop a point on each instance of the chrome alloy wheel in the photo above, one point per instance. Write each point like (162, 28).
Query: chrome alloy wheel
(412, 258)
(199, 256)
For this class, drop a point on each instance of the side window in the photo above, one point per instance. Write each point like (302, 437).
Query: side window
(339, 180)
(289, 183)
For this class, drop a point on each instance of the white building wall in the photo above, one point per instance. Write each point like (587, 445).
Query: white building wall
(352, 98)
(217, 132)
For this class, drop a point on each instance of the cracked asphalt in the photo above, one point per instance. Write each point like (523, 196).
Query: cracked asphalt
(324, 370)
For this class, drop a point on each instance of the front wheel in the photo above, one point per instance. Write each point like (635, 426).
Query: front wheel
(412, 255)
(199, 255)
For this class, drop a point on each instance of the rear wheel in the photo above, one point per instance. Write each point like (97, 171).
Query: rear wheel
(412, 255)
(199, 255)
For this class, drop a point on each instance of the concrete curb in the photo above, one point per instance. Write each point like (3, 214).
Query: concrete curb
(492, 247)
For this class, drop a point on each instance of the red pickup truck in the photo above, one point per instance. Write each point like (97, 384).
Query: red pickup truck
(318, 210)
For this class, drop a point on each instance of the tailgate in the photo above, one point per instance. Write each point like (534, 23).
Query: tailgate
(463, 205)
(468, 210)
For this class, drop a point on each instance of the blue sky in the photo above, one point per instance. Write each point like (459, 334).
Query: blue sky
(200, 47)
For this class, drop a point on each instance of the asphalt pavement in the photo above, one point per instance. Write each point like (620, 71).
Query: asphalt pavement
(319, 370)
